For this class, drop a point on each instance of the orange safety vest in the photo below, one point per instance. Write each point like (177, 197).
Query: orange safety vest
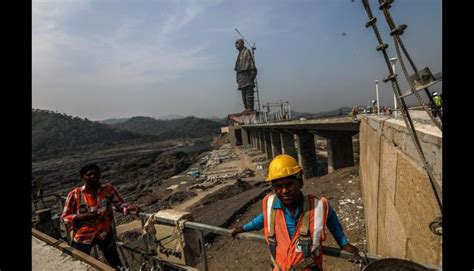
(304, 250)
(100, 226)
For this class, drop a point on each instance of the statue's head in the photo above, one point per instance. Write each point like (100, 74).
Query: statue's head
(239, 44)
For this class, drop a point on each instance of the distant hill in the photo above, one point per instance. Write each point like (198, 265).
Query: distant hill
(342, 110)
(221, 121)
(113, 121)
(297, 115)
(55, 134)
(171, 117)
(189, 127)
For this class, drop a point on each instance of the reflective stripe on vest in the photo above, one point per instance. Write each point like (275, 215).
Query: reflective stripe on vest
(318, 225)
(90, 228)
(271, 225)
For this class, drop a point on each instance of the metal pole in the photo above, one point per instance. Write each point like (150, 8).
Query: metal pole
(393, 60)
(330, 251)
(204, 253)
(146, 243)
(377, 96)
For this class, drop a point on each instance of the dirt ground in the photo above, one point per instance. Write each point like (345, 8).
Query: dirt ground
(341, 187)
(221, 200)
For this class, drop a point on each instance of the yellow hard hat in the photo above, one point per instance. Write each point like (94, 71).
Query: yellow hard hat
(283, 166)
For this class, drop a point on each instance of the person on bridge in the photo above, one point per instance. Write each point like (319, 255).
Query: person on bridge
(294, 224)
(88, 215)
(437, 104)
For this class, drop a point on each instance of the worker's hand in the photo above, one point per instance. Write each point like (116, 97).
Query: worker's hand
(236, 230)
(86, 216)
(131, 208)
(355, 251)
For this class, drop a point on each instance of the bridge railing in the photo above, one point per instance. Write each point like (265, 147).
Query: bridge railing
(329, 251)
(153, 261)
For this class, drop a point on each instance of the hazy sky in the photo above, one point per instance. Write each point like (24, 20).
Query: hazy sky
(111, 59)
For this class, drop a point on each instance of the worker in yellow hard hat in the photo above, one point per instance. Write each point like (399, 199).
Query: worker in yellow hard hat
(437, 104)
(294, 224)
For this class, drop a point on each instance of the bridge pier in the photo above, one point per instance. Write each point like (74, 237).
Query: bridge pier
(245, 136)
(306, 153)
(253, 136)
(340, 151)
(268, 144)
(261, 140)
(288, 144)
(276, 143)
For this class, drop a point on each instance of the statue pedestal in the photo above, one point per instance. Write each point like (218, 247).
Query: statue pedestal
(246, 117)
(238, 135)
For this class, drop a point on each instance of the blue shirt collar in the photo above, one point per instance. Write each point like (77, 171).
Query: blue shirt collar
(277, 204)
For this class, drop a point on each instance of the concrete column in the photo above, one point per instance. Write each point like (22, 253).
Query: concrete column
(261, 140)
(245, 136)
(250, 132)
(306, 153)
(232, 136)
(288, 144)
(276, 143)
(253, 138)
(340, 152)
(268, 144)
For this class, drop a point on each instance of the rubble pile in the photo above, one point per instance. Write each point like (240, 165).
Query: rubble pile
(217, 157)
(213, 178)
(350, 208)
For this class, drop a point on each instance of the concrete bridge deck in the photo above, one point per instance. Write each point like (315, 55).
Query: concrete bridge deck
(321, 124)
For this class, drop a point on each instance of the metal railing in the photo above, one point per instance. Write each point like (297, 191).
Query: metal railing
(154, 263)
(273, 112)
(329, 251)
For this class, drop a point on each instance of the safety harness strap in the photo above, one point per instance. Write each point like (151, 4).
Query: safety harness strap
(271, 237)
(304, 238)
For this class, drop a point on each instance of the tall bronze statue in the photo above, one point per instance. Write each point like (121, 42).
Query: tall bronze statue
(246, 73)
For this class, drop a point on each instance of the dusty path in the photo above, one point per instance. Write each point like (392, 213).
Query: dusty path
(48, 258)
(189, 203)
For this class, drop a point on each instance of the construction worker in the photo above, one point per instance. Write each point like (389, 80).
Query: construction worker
(88, 215)
(294, 224)
(437, 104)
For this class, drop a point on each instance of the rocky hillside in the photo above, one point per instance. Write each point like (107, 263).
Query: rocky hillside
(54, 134)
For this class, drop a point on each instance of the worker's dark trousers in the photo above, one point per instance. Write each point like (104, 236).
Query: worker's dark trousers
(107, 246)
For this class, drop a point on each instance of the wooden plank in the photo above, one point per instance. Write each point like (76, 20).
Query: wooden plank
(75, 253)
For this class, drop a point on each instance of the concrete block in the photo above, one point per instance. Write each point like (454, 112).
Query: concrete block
(395, 232)
(369, 168)
(388, 168)
(381, 204)
(383, 246)
(417, 207)
(426, 254)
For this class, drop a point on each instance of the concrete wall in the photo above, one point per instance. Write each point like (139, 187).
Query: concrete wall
(399, 201)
